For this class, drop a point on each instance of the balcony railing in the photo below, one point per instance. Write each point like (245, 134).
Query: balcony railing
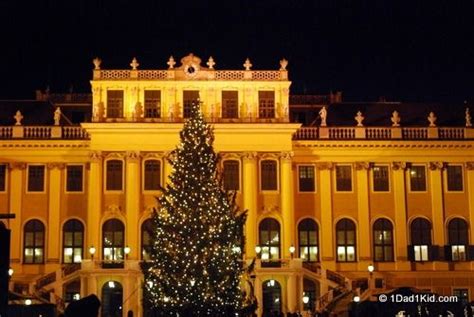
(43, 132)
(383, 133)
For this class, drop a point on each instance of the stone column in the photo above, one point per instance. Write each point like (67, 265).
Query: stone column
(363, 211)
(132, 202)
(437, 204)
(400, 205)
(292, 293)
(287, 205)
(54, 212)
(250, 190)
(167, 168)
(327, 236)
(16, 192)
(470, 190)
(94, 203)
(259, 295)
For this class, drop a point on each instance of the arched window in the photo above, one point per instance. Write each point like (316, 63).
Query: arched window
(310, 290)
(269, 234)
(346, 241)
(113, 232)
(383, 240)
(420, 239)
(308, 240)
(271, 290)
(147, 230)
(112, 299)
(458, 239)
(73, 239)
(33, 242)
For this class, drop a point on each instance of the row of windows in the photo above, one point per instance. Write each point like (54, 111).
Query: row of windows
(113, 241)
(420, 249)
(152, 103)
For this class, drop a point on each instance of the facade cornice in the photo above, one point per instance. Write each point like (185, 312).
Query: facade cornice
(370, 144)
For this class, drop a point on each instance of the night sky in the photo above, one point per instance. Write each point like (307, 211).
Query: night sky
(405, 51)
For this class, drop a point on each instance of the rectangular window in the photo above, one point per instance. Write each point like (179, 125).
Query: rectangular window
(455, 179)
(152, 175)
(306, 178)
(36, 178)
(231, 175)
(190, 97)
(152, 103)
(266, 104)
(3, 177)
(343, 178)
(74, 178)
(230, 104)
(421, 253)
(458, 252)
(462, 294)
(115, 104)
(417, 179)
(380, 175)
(269, 175)
(114, 175)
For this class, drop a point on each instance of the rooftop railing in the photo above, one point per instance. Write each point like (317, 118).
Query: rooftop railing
(43, 132)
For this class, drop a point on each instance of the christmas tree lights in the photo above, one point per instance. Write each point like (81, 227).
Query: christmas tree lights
(196, 262)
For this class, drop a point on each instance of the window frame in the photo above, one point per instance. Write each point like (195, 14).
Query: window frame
(372, 175)
(121, 111)
(414, 245)
(308, 245)
(5, 179)
(383, 244)
(113, 246)
(142, 234)
(73, 246)
(106, 190)
(277, 175)
(34, 247)
(239, 172)
(272, 221)
(352, 179)
(299, 179)
(185, 115)
(409, 178)
(160, 161)
(28, 179)
(346, 245)
(225, 108)
(266, 108)
(456, 245)
(159, 108)
(66, 179)
(446, 175)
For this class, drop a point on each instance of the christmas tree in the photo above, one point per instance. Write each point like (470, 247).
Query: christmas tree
(196, 262)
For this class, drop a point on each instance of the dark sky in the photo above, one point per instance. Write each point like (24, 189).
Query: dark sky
(406, 51)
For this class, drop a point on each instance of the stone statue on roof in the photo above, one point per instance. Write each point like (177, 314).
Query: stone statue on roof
(432, 119)
(18, 117)
(57, 116)
(395, 119)
(359, 118)
(323, 113)
(468, 118)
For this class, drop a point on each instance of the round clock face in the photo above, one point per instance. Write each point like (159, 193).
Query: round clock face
(191, 70)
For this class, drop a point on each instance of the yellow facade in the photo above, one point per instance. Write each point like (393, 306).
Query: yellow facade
(132, 139)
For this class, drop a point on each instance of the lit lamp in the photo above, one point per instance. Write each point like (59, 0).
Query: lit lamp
(371, 269)
(258, 249)
(28, 302)
(92, 252)
(292, 251)
(10, 272)
(356, 299)
(305, 299)
(126, 250)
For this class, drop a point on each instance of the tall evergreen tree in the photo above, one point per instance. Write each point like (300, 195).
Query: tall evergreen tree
(196, 254)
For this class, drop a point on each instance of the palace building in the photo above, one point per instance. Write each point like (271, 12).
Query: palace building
(342, 198)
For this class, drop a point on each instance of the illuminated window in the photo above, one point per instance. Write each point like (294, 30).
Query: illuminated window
(231, 175)
(113, 233)
(306, 178)
(3, 176)
(33, 251)
(147, 231)
(152, 175)
(152, 103)
(383, 240)
(74, 178)
(308, 240)
(343, 178)
(190, 97)
(346, 241)
(36, 178)
(380, 176)
(417, 179)
(455, 178)
(271, 298)
(268, 175)
(115, 104)
(420, 239)
(311, 291)
(230, 104)
(114, 178)
(73, 238)
(458, 239)
(266, 104)
(269, 237)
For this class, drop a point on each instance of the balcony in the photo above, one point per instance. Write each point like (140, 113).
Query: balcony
(43, 132)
